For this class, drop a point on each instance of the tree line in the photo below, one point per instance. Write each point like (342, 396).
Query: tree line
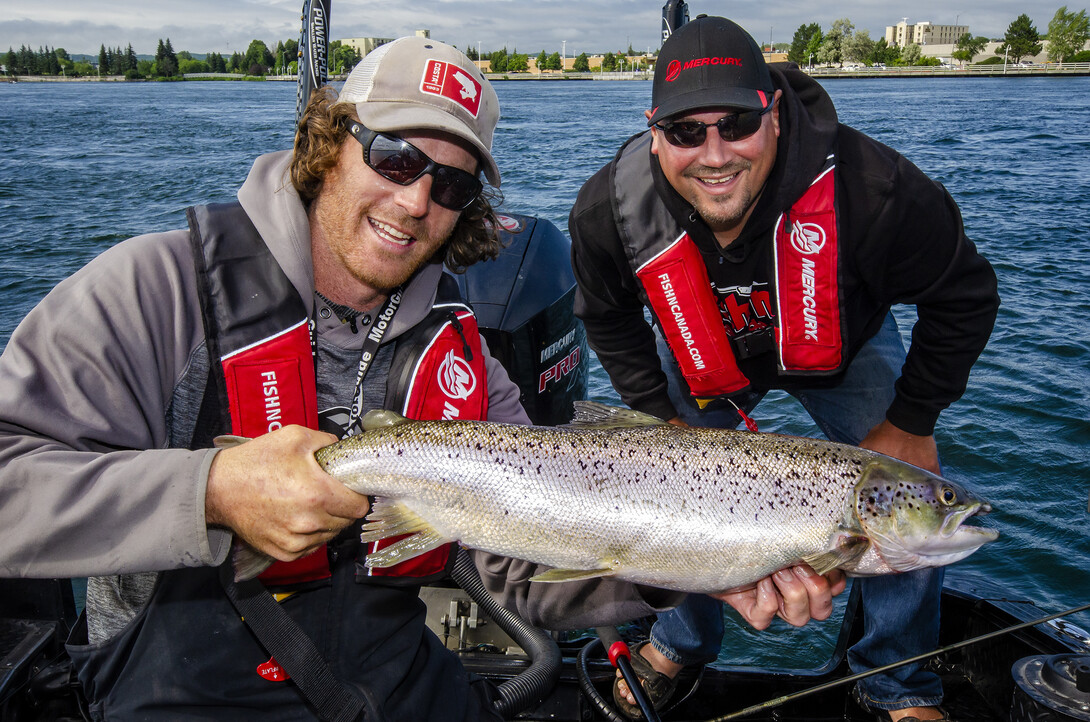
(258, 60)
(1067, 35)
(500, 61)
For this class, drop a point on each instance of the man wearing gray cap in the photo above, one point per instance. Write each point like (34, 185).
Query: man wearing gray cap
(283, 317)
(769, 242)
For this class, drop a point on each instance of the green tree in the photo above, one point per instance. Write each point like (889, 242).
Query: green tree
(542, 58)
(911, 54)
(581, 65)
(258, 59)
(813, 48)
(518, 62)
(10, 61)
(883, 53)
(859, 47)
(831, 51)
(1067, 34)
(799, 50)
(1022, 40)
(497, 60)
(104, 60)
(554, 63)
(968, 47)
(345, 58)
(609, 63)
(471, 52)
(166, 62)
(130, 57)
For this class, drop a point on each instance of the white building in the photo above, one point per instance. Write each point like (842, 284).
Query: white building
(924, 33)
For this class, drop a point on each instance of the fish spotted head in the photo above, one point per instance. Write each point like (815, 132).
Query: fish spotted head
(915, 519)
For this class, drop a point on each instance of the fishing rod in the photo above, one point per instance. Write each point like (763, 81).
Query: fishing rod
(878, 670)
(313, 52)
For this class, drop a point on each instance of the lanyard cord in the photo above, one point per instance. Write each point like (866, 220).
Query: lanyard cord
(371, 343)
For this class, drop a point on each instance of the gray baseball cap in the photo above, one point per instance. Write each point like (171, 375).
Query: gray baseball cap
(416, 83)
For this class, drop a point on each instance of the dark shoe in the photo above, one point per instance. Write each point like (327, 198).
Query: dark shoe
(883, 715)
(657, 686)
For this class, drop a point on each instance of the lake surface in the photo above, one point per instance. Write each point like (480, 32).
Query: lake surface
(83, 166)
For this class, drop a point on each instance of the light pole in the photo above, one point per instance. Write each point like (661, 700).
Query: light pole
(563, 54)
(478, 53)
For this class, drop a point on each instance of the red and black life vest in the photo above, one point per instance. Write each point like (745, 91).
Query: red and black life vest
(259, 331)
(669, 266)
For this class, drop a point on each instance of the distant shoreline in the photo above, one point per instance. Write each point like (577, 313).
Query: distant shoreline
(923, 71)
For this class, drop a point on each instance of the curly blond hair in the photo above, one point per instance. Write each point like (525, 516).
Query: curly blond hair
(322, 131)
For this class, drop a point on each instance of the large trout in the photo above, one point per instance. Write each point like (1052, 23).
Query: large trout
(622, 494)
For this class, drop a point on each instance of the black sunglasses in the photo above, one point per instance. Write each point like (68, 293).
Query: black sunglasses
(403, 163)
(732, 127)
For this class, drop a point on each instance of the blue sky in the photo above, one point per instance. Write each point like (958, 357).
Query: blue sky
(574, 26)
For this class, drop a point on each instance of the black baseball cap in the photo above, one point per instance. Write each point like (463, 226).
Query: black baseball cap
(710, 62)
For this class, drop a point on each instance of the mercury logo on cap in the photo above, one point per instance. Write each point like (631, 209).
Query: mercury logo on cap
(710, 62)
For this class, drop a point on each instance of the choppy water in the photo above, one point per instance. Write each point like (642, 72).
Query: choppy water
(83, 166)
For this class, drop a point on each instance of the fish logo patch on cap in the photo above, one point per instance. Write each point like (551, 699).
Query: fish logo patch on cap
(452, 82)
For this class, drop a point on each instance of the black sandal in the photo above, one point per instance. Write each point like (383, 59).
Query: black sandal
(658, 687)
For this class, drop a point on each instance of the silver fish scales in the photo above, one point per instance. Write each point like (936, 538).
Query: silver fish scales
(622, 494)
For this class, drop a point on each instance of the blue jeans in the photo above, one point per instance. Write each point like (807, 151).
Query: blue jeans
(900, 611)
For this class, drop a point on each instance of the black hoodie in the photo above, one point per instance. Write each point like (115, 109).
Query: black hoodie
(901, 240)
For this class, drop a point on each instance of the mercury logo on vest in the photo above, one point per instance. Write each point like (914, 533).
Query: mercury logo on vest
(456, 378)
(807, 238)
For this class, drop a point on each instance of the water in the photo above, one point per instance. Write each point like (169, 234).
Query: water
(83, 166)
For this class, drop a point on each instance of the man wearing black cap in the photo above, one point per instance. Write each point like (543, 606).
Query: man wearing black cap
(769, 243)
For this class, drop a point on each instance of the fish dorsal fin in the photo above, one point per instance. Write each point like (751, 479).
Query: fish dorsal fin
(382, 418)
(572, 575)
(848, 550)
(593, 415)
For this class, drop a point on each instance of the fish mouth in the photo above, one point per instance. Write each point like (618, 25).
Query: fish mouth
(956, 539)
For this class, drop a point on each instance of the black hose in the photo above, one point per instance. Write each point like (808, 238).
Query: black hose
(582, 672)
(545, 660)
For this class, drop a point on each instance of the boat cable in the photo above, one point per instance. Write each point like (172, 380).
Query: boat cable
(545, 659)
(885, 668)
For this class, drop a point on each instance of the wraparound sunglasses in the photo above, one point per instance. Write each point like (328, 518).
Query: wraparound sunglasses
(403, 163)
(732, 127)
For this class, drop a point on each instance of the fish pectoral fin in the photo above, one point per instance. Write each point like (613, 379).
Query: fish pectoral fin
(405, 549)
(848, 550)
(594, 415)
(391, 518)
(572, 575)
(382, 418)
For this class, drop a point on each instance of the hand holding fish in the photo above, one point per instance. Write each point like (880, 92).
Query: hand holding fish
(921, 451)
(272, 494)
(796, 595)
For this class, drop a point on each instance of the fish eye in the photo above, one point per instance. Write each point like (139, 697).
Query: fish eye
(948, 496)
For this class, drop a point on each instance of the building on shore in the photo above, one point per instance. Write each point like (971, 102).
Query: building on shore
(923, 33)
(366, 45)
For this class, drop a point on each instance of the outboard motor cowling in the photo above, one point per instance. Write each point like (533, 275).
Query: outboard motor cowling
(525, 306)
